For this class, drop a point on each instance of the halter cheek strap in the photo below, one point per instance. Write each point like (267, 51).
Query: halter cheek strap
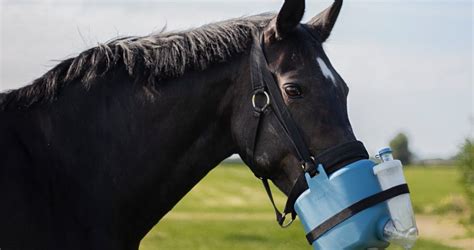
(265, 86)
(264, 83)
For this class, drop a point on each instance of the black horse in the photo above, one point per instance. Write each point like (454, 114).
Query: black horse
(97, 150)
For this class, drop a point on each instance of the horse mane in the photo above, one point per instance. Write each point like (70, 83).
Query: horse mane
(148, 59)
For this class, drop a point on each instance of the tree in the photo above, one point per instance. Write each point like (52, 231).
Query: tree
(465, 162)
(401, 151)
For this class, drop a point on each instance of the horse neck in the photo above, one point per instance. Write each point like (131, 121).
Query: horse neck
(127, 154)
(193, 136)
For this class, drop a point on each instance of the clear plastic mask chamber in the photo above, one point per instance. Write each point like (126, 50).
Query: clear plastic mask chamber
(401, 227)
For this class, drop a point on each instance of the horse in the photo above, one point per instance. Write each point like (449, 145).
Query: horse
(97, 150)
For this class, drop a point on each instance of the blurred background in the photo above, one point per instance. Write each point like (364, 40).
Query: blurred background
(409, 66)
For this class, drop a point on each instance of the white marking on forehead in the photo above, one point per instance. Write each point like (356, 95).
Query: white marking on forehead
(326, 71)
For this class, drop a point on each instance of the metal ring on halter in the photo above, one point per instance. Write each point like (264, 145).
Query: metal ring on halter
(257, 92)
(287, 224)
(307, 169)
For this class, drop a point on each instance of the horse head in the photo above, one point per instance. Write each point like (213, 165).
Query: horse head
(313, 93)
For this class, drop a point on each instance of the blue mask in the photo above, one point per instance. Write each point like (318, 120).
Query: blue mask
(360, 206)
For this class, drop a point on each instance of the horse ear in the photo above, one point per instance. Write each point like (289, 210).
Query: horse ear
(289, 17)
(324, 22)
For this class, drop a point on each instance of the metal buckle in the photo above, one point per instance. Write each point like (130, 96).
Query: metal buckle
(254, 97)
(306, 168)
(287, 224)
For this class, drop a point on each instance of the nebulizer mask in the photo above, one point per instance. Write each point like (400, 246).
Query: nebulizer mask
(362, 205)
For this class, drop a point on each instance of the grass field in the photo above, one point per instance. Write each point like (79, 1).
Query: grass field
(430, 187)
(230, 210)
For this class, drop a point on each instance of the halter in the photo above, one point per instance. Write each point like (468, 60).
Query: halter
(265, 86)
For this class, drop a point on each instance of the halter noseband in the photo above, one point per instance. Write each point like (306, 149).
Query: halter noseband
(265, 85)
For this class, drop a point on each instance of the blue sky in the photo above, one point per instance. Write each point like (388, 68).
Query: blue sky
(408, 63)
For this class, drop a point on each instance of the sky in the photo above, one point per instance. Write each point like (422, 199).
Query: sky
(409, 64)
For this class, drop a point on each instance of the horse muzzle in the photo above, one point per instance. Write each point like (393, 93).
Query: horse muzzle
(361, 205)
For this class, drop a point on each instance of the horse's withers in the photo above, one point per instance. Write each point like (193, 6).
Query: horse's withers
(359, 206)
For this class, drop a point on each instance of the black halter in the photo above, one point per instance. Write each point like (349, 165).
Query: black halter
(265, 86)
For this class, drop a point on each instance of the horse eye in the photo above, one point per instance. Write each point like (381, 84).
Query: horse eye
(293, 90)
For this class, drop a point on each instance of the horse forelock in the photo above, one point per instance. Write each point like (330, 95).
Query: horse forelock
(152, 58)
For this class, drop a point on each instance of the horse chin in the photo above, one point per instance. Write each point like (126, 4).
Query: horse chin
(284, 183)
(288, 177)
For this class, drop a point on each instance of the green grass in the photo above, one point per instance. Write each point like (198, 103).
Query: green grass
(235, 235)
(431, 186)
(229, 209)
(229, 234)
(423, 244)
